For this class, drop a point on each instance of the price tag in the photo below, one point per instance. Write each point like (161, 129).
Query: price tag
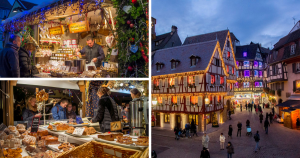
(105, 64)
(63, 138)
(74, 69)
(63, 68)
(115, 126)
(108, 65)
(35, 124)
(78, 131)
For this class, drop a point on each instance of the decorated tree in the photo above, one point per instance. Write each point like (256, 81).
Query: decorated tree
(132, 37)
(214, 120)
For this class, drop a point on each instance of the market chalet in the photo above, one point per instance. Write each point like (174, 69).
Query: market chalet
(194, 81)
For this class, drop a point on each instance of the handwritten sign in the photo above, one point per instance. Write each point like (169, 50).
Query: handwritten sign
(63, 138)
(35, 124)
(78, 131)
(63, 68)
(115, 126)
(56, 30)
(79, 27)
(74, 69)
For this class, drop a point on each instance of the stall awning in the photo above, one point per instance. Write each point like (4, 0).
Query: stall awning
(288, 110)
(64, 84)
(290, 103)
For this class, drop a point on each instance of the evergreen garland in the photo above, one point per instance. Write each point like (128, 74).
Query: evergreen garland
(132, 29)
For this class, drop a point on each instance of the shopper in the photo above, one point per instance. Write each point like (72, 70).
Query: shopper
(176, 133)
(9, 58)
(266, 125)
(273, 111)
(107, 109)
(271, 117)
(257, 138)
(230, 150)
(251, 106)
(17, 112)
(247, 123)
(239, 125)
(187, 130)
(59, 110)
(229, 113)
(205, 140)
(230, 131)
(246, 106)
(261, 117)
(153, 155)
(241, 107)
(204, 153)
(222, 141)
(70, 114)
(31, 110)
(193, 128)
(27, 69)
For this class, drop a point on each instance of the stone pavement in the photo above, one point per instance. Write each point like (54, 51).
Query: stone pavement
(281, 142)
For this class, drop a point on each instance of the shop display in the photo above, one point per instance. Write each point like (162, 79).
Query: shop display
(58, 127)
(111, 136)
(10, 153)
(142, 141)
(124, 140)
(51, 140)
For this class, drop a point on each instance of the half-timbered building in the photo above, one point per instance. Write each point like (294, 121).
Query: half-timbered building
(189, 82)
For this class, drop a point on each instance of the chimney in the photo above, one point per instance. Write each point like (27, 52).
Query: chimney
(174, 28)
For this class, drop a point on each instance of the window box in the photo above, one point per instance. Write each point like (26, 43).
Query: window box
(194, 104)
(192, 85)
(171, 86)
(155, 87)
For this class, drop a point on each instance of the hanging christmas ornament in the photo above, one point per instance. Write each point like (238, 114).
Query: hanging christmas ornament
(126, 8)
(109, 40)
(131, 39)
(130, 68)
(128, 22)
(134, 48)
(133, 1)
(131, 25)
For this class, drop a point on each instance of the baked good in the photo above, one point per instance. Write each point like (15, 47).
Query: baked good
(29, 140)
(29, 129)
(62, 127)
(20, 126)
(51, 140)
(86, 131)
(142, 141)
(12, 128)
(124, 140)
(70, 129)
(42, 133)
(21, 131)
(92, 130)
(6, 131)
(50, 127)
(106, 136)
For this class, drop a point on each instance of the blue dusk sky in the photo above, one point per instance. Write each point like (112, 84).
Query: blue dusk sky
(260, 21)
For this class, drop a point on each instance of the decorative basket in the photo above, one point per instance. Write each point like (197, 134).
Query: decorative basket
(101, 150)
(145, 154)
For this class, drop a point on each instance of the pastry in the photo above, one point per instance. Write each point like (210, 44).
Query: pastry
(124, 140)
(6, 131)
(20, 126)
(92, 130)
(50, 127)
(71, 130)
(51, 140)
(42, 133)
(12, 128)
(62, 127)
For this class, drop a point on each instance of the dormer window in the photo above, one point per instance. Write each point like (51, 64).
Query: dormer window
(159, 66)
(293, 49)
(174, 63)
(217, 62)
(260, 64)
(228, 54)
(194, 59)
(212, 79)
(255, 64)
(247, 73)
(245, 54)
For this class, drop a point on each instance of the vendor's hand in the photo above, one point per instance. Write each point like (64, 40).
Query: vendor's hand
(38, 115)
(91, 121)
(77, 50)
(94, 60)
(78, 53)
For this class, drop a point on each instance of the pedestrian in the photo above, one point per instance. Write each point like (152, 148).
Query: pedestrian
(204, 153)
(266, 125)
(246, 105)
(270, 117)
(222, 141)
(230, 131)
(229, 113)
(187, 130)
(241, 107)
(251, 106)
(261, 117)
(239, 125)
(25, 61)
(205, 140)
(247, 123)
(263, 105)
(230, 150)
(193, 128)
(9, 58)
(267, 116)
(154, 154)
(257, 138)
(176, 133)
(298, 122)
(273, 110)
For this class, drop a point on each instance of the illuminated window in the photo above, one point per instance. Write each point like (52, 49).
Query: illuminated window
(219, 98)
(210, 99)
(246, 63)
(256, 84)
(232, 70)
(261, 84)
(194, 99)
(255, 64)
(221, 80)
(191, 79)
(237, 85)
(230, 86)
(193, 117)
(212, 79)
(298, 84)
(260, 64)
(167, 118)
(237, 73)
(174, 99)
(156, 82)
(247, 73)
(245, 54)
(260, 74)
(228, 54)
(246, 84)
(159, 99)
(237, 63)
(255, 73)
(227, 67)
(171, 81)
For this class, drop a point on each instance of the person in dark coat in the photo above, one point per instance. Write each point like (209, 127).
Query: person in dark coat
(251, 106)
(70, 113)
(26, 68)
(59, 110)
(246, 106)
(239, 125)
(229, 113)
(17, 112)
(297, 122)
(230, 150)
(267, 116)
(176, 130)
(9, 58)
(153, 155)
(230, 131)
(107, 110)
(31, 111)
(271, 117)
(257, 138)
(266, 125)
(241, 106)
(193, 128)
(261, 117)
(205, 153)
(247, 123)
(273, 111)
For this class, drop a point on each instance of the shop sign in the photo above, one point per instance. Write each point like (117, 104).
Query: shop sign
(115, 126)
(59, 30)
(74, 69)
(78, 131)
(35, 124)
(79, 27)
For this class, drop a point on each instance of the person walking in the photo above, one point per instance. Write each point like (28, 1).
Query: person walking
(297, 122)
(261, 117)
(241, 107)
(205, 140)
(153, 155)
(204, 153)
(222, 141)
(176, 133)
(271, 117)
(251, 106)
(239, 125)
(193, 128)
(230, 150)
(229, 113)
(267, 116)
(257, 138)
(187, 130)
(246, 106)
(247, 123)
(263, 106)
(273, 110)
(266, 125)
(230, 131)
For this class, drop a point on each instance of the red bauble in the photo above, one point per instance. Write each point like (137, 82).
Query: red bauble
(131, 25)
(142, 51)
(133, 1)
(130, 68)
(132, 40)
(141, 45)
(128, 22)
(110, 22)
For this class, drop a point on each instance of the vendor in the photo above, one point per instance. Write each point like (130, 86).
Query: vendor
(93, 52)
(31, 110)
(107, 110)
(70, 113)
(135, 94)
(59, 110)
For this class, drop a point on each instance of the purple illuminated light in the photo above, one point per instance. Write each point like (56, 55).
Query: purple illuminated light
(245, 54)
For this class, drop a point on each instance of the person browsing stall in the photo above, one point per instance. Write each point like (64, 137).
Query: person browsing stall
(31, 110)
(70, 113)
(59, 110)
(93, 52)
(107, 110)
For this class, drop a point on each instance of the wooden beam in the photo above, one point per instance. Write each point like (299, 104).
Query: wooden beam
(82, 90)
(11, 102)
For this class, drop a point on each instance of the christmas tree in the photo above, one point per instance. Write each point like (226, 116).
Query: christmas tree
(214, 120)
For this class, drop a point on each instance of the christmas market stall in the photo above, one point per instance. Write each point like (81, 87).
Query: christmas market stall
(74, 119)
(84, 38)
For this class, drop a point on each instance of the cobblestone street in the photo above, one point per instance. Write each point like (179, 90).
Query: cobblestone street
(281, 142)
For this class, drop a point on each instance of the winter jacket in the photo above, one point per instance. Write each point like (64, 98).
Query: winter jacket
(230, 131)
(261, 117)
(205, 154)
(28, 116)
(239, 125)
(9, 61)
(222, 138)
(176, 131)
(58, 112)
(187, 126)
(256, 137)
(230, 149)
(71, 115)
(266, 124)
(247, 123)
(93, 52)
(26, 69)
(107, 113)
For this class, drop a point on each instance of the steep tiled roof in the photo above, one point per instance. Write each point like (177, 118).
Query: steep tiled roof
(233, 38)
(28, 5)
(5, 4)
(220, 35)
(287, 39)
(165, 37)
(250, 49)
(182, 53)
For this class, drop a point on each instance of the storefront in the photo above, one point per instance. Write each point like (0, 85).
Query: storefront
(289, 111)
(67, 137)
(84, 38)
